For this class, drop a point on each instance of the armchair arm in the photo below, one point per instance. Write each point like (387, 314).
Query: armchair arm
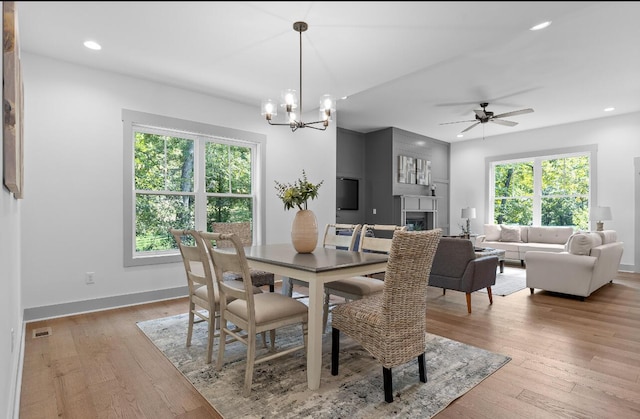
(560, 272)
(480, 273)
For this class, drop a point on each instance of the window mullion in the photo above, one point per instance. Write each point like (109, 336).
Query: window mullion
(537, 192)
(200, 184)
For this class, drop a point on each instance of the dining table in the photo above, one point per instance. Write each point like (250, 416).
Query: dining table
(316, 268)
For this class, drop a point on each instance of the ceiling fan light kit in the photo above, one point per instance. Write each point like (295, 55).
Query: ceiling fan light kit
(482, 116)
(291, 101)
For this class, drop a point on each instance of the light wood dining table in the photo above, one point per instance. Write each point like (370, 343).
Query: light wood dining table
(317, 268)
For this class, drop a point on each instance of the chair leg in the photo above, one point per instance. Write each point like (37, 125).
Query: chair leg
(190, 327)
(287, 286)
(490, 295)
(211, 331)
(325, 313)
(531, 289)
(388, 385)
(221, 343)
(422, 371)
(335, 349)
(272, 338)
(272, 287)
(444, 291)
(468, 302)
(251, 358)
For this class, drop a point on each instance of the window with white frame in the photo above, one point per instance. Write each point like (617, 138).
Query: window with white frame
(184, 175)
(544, 190)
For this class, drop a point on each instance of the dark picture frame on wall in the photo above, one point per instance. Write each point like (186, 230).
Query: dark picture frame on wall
(12, 104)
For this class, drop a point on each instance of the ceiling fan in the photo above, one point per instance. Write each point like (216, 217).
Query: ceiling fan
(483, 116)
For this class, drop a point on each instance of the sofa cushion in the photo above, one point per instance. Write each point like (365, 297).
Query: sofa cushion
(492, 232)
(608, 236)
(510, 234)
(580, 244)
(553, 235)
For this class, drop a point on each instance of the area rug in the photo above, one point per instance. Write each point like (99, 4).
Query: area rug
(280, 390)
(512, 280)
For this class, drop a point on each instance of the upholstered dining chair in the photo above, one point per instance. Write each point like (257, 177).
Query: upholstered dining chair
(357, 287)
(251, 313)
(391, 325)
(337, 236)
(243, 231)
(203, 296)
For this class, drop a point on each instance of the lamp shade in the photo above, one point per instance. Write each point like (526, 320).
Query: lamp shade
(468, 213)
(600, 214)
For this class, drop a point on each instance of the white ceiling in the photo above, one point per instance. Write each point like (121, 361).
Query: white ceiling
(410, 65)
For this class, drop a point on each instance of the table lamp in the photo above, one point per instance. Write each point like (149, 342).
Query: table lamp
(600, 214)
(468, 213)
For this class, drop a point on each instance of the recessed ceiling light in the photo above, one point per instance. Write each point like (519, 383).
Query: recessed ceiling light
(344, 97)
(459, 135)
(540, 26)
(92, 45)
(609, 109)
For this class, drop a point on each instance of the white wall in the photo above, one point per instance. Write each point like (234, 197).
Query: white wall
(10, 307)
(72, 215)
(618, 142)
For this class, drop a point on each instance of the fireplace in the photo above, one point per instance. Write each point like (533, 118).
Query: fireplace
(418, 221)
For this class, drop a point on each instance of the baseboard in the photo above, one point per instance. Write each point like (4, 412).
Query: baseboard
(99, 304)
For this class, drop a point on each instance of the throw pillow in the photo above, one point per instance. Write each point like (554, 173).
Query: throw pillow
(510, 234)
(492, 232)
(580, 244)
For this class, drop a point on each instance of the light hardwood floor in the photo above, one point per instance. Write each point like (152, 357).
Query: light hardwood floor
(570, 359)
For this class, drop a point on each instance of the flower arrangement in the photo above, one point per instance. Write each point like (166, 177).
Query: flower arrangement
(298, 193)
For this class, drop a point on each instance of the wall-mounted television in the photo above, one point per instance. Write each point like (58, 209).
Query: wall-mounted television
(347, 194)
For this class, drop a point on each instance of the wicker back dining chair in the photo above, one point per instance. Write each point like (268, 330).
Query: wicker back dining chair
(251, 313)
(391, 325)
(243, 231)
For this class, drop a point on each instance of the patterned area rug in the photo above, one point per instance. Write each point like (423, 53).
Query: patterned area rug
(280, 390)
(512, 280)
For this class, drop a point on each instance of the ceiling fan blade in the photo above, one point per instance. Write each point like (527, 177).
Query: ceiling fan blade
(503, 122)
(457, 122)
(480, 113)
(477, 123)
(514, 113)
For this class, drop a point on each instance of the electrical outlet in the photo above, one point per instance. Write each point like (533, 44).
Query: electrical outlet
(89, 278)
(374, 211)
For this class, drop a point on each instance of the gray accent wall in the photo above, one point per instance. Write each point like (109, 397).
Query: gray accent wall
(374, 158)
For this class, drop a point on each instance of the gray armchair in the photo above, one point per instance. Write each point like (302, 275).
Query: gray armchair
(456, 267)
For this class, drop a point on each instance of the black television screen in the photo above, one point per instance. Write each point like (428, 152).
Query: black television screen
(347, 194)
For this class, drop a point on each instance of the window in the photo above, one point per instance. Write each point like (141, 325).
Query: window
(549, 190)
(185, 175)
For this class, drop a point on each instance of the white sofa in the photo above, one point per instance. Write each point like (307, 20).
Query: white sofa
(516, 240)
(590, 261)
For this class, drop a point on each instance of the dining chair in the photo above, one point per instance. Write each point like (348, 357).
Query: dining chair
(243, 231)
(337, 236)
(391, 325)
(357, 287)
(251, 313)
(203, 296)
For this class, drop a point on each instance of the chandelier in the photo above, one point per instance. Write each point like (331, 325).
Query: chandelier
(292, 103)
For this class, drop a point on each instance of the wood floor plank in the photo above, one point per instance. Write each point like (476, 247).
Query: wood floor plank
(570, 358)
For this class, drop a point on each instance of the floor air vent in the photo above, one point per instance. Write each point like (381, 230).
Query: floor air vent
(41, 332)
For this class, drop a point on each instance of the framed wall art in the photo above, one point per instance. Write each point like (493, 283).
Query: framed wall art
(12, 104)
